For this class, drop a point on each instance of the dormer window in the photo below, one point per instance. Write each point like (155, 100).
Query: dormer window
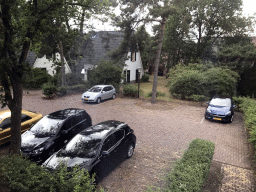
(133, 56)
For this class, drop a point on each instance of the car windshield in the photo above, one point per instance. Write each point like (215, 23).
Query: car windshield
(46, 127)
(81, 146)
(221, 102)
(95, 89)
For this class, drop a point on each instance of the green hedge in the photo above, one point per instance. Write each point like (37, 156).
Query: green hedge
(145, 78)
(21, 175)
(191, 171)
(248, 107)
(130, 90)
(195, 79)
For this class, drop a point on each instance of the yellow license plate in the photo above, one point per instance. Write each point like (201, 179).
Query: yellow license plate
(219, 119)
(86, 99)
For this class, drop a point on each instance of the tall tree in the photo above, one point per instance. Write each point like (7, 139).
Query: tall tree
(137, 11)
(211, 19)
(25, 23)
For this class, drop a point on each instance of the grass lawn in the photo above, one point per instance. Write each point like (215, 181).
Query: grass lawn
(146, 88)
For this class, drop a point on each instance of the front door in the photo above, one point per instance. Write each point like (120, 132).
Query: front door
(128, 76)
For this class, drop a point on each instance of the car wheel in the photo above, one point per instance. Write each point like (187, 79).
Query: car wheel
(98, 100)
(96, 180)
(130, 151)
(231, 119)
(113, 96)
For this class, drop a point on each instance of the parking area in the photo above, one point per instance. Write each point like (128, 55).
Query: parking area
(163, 133)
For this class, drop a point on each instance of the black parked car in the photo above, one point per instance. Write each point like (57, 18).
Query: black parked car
(220, 109)
(52, 132)
(98, 149)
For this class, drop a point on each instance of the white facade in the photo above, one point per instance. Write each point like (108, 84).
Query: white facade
(133, 66)
(85, 70)
(47, 64)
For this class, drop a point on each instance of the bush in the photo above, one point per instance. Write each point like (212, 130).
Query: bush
(145, 78)
(248, 106)
(22, 175)
(191, 171)
(62, 90)
(197, 80)
(198, 98)
(79, 88)
(35, 78)
(73, 79)
(49, 89)
(158, 94)
(106, 73)
(130, 91)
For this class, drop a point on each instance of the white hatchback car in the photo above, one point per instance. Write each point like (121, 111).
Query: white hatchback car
(98, 93)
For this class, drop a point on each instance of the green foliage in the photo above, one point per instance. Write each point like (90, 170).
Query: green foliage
(158, 94)
(145, 78)
(198, 97)
(79, 88)
(248, 107)
(22, 175)
(49, 89)
(247, 84)
(62, 90)
(73, 79)
(106, 73)
(196, 79)
(35, 78)
(192, 169)
(130, 91)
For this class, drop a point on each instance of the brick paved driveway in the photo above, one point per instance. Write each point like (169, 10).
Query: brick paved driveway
(163, 133)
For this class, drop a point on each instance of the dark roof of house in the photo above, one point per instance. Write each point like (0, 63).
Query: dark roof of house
(31, 58)
(98, 47)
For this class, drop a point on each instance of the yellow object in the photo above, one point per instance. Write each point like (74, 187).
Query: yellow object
(28, 118)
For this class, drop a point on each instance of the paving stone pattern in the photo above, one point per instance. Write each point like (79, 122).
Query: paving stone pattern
(163, 132)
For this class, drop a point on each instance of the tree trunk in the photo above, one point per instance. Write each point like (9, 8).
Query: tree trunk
(15, 107)
(63, 77)
(159, 48)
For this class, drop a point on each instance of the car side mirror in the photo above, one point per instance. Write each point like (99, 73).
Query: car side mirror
(207, 103)
(105, 153)
(234, 106)
(103, 91)
(64, 132)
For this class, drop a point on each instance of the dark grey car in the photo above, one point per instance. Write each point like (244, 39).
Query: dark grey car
(96, 148)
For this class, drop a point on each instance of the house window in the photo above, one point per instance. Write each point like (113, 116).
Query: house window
(133, 56)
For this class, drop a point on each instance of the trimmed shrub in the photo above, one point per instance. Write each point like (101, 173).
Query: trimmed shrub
(73, 79)
(49, 89)
(79, 88)
(62, 90)
(22, 175)
(158, 94)
(186, 81)
(35, 78)
(106, 73)
(248, 107)
(191, 171)
(130, 91)
(198, 97)
(145, 78)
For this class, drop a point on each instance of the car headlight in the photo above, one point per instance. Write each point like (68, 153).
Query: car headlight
(208, 110)
(37, 151)
(228, 113)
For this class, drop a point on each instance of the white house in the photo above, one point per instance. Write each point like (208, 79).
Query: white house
(98, 47)
(47, 65)
(134, 67)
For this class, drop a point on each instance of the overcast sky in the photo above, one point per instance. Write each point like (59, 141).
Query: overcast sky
(249, 8)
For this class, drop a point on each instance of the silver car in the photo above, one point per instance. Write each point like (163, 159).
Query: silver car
(98, 93)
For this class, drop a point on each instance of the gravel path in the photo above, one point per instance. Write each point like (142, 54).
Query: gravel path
(163, 132)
